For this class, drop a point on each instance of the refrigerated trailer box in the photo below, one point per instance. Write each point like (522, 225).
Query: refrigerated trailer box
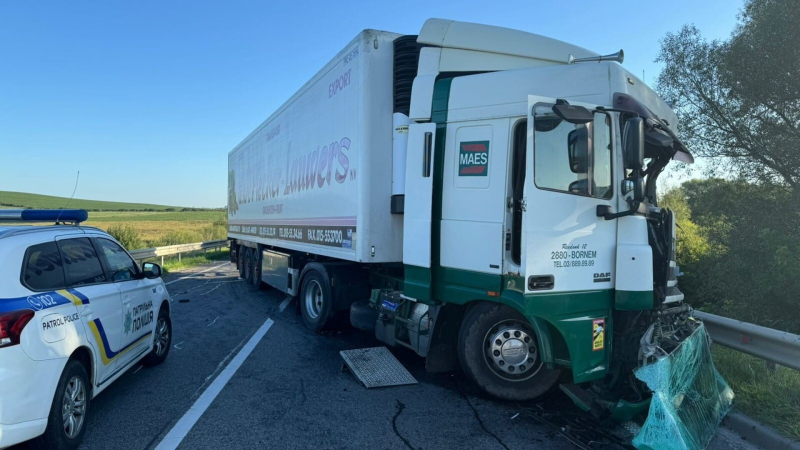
(484, 197)
(316, 176)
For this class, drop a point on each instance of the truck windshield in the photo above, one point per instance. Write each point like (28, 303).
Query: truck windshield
(575, 159)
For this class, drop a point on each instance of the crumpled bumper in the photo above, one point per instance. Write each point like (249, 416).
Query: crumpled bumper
(690, 398)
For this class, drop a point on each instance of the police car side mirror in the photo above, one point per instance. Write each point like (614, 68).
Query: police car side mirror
(151, 270)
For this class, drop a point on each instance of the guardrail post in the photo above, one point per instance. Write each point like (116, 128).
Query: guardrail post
(162, 260)
(179, 257)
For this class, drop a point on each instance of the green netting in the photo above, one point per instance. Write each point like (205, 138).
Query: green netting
(690, 398)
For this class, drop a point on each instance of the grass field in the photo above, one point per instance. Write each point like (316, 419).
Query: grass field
(154, 229)
(136, 225)
(26, 200)
(770, 396)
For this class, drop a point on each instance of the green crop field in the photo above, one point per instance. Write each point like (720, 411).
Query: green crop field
(25, 200)
(136, 225)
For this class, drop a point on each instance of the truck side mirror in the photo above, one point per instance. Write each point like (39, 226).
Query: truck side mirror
(635, 185)
(633, 143)
(578, 145)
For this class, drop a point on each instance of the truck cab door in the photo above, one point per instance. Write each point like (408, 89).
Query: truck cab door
(566, 247)
(418, 210)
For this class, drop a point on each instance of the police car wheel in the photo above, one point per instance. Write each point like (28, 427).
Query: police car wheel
(499, 351)
(66, 423)
(162, 340)
(316, 300)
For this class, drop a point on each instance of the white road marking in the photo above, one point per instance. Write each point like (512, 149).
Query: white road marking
(140, 368)
(284, 304)
(196, 273)
(176, 345)
(212, 322)
(176, 435)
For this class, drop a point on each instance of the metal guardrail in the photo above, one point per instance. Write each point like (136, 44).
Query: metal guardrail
(762, 342)
(147, 253)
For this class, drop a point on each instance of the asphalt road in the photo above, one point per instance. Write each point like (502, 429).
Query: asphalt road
(291, 392)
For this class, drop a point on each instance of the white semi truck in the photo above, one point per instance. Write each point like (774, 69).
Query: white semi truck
(480, 195)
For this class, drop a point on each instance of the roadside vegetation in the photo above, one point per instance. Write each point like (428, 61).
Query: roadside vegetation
(738, 101)
(770, 396)
(136, 231)
(173, 265)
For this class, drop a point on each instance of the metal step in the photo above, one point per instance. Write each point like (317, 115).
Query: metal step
(376, 367)
(582, 398)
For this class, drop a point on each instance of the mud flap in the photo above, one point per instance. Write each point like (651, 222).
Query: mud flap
(690, 398)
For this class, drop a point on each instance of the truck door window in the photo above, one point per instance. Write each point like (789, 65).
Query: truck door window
(565, 159)
(517, 188)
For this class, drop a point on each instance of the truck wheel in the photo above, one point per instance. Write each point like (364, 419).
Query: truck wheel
(248, 264)
(316, 301)
(363, 316)
(67, 422)
(240, 260)
(256, 277)
(499, 351)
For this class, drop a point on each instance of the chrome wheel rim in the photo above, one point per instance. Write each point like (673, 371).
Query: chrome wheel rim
(510, 350)
(313, 299)
(162, 336)
(73, 410)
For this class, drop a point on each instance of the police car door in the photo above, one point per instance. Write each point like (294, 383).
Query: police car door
(137, 300)
(566, 246)
(101, 313)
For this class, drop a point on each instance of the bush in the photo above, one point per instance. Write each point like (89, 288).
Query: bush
(126, 235)
(739, 248)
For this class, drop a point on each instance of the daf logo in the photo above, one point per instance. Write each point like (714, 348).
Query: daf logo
(513, 348)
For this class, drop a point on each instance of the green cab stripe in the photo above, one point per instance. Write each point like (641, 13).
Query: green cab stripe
(633, 300)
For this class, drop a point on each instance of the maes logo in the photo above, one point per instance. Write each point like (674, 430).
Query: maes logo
(473, 159)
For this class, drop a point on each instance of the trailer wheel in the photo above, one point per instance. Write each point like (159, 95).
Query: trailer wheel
(240, 260)
(248, 264)
(499, 351)
(256, 277)
(316, 300)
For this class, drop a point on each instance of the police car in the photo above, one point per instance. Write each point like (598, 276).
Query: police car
(76, 311)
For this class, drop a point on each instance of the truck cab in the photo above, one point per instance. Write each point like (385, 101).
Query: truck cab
(530, 198)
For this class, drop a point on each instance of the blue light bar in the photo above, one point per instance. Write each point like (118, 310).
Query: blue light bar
(44, 215)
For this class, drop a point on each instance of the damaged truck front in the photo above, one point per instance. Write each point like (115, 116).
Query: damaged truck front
(485, 197)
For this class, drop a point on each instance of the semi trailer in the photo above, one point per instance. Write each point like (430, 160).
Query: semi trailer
(485, 197)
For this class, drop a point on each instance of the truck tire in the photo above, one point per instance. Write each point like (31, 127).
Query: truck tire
(248, 264)
(72, 394)
(363, 316)
(240, 261)
(499, 351)
(316, 300)
(256, 277)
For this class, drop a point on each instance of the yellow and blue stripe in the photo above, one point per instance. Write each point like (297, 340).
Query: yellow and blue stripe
(106, 353)
(44, 300)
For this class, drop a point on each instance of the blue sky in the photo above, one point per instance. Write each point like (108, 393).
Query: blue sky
(146, 98)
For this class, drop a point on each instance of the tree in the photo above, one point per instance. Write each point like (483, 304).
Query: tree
(739, 100)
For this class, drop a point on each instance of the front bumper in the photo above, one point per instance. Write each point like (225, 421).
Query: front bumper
(690, 398)
(21, 432)
(27, 388)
